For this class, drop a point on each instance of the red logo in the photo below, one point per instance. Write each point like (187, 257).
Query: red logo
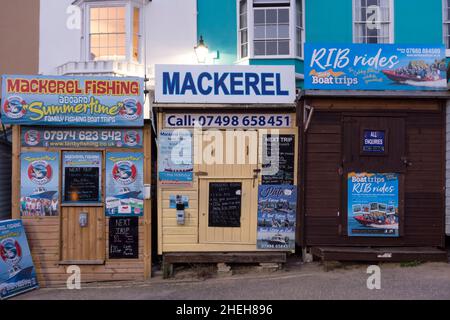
(124, 172)
(40, 172)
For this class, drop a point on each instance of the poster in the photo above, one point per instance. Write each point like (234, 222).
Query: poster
(175, 160)
(124, 184)
(39, 184)
(82, 177)
(17, 272)
(278, 159)
(374, 142)
(375, 67)
(277, 213)
(372, 204)
(68, 101)
(81, 138)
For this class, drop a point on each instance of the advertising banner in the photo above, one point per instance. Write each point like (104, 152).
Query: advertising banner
(224, 84)
(68, 101)
(124, 184)
(39, 184)
(81, 138)
(82, 176)
(17, 272)
(372, 206)
(175, 160)
(375, 67)
(277, 212)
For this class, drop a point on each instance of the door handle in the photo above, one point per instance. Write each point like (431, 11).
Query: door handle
(406, 161)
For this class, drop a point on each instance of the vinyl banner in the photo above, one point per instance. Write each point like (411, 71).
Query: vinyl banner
(375, 67)
(373, 204)
(277, 207)
(175, 160)
(39, 184)
(81, 138)
(17, 272)
(68, 101)
(124, 184)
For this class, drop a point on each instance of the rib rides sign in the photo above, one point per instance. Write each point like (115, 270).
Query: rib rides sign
(65, 101)
(375, 67)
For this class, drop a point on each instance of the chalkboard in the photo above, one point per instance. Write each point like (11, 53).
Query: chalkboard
(225, 204)
(286, 160)
(123, 238)
(81, 184)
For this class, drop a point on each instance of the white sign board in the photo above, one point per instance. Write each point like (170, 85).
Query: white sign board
(231, 84)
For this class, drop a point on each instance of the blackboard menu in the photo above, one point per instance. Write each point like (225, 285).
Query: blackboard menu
(281, 157)
(225, 204)
(81, 184)
(123, 237)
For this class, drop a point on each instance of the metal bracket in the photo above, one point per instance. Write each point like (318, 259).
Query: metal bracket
(308, 112)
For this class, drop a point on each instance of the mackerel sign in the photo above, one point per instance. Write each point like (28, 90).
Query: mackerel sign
(224, 84)
(66, 101)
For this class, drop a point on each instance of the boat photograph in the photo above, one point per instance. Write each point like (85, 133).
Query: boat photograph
(419, 73)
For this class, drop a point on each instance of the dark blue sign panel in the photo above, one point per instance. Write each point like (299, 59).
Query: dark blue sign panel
(373, 141)
(372, 204)
(81, 138)
(17, 272)
(69, 101)
(375, 67)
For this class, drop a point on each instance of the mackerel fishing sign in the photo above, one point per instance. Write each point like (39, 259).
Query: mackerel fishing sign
(224, 84)
(375, 67)
(66, 101)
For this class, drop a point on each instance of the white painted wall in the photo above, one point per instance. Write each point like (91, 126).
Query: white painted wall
(170, 32)
(57, 43)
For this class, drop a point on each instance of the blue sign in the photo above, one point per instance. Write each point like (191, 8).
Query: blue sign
(39, 184)
(49, 137)
(375, 67)
(373, 141)
(17, 272)
(372, 204)
(277, 207)
(124, 184)
(69, 101)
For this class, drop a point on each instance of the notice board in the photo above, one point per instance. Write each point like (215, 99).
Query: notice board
(225, 204)
(123, 238)
(278, 159)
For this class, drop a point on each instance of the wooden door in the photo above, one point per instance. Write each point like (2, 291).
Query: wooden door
(228, 189)
(83, 244)
(384, 154)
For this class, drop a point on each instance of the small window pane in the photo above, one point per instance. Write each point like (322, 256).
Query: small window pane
(260, 32)
(283, 31)
(283, 47)
(121, 13)
(271, 48)
(259, 17)
(259, 48)
(271, 16)
(103, 26)
(112, 13)
(94, 13)
(103, 13)
(271, 32)
(283, 16)
(103, 40)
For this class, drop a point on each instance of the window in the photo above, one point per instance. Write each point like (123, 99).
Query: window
(447, 24)
(271, 31)
(372, 21)
(243, 29)
(82, 177)
(136, 34)
(107, 33)
(299, 28)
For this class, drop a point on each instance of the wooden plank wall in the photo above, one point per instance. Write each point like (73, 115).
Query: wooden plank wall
(44, 236)
(424, 180)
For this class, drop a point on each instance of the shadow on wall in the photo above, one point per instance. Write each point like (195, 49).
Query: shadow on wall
(5, 178)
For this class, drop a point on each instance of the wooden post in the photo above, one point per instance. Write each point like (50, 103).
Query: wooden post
(15, 182)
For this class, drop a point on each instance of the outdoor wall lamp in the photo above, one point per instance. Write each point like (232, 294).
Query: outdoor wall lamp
(201, 51)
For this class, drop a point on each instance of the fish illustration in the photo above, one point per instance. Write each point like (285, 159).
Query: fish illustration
(324, 74)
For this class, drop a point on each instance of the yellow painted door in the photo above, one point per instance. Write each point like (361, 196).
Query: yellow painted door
(232, 167)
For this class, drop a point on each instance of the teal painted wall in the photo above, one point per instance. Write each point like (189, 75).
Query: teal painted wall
(279, 62)
(328, 21)
(418, 21)
(216, 22)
